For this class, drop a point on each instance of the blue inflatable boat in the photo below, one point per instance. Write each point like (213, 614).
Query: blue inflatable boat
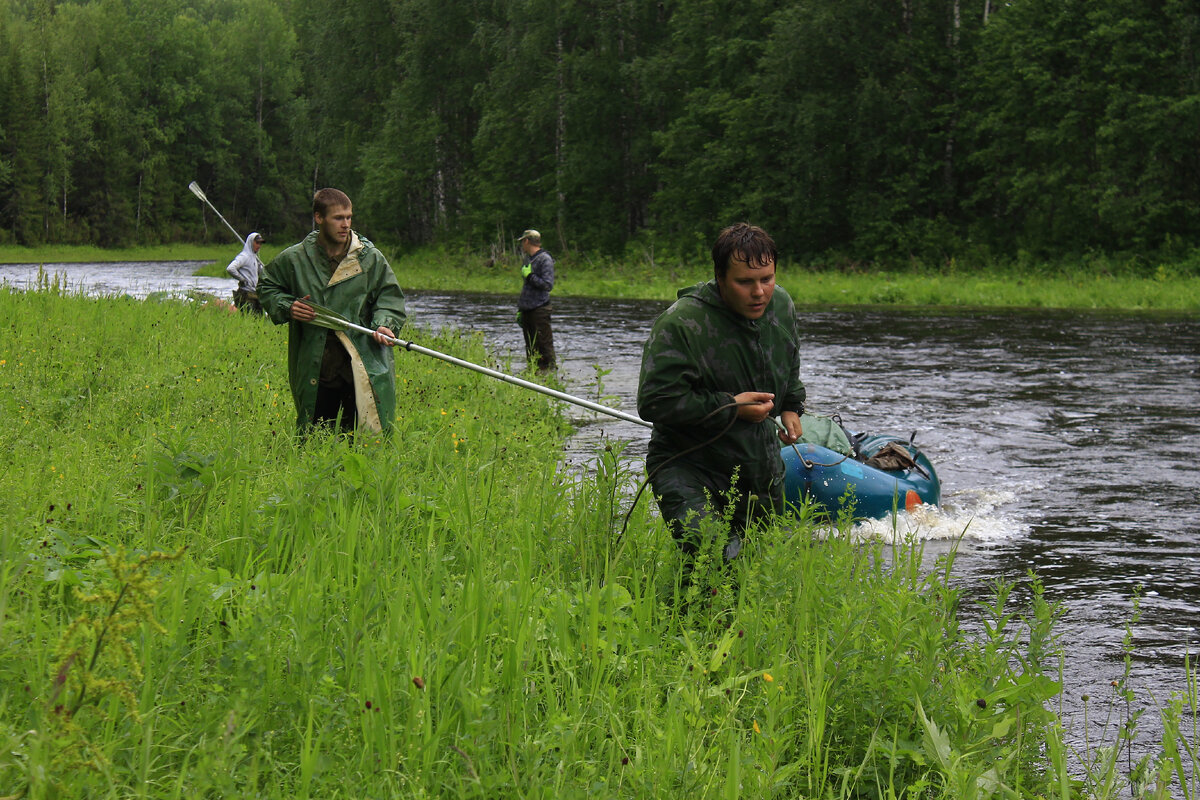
(883, 474)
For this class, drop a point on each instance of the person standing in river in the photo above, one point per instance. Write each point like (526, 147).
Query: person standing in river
(717, 364)
(343, 378)
(245, 269)
(533, 306)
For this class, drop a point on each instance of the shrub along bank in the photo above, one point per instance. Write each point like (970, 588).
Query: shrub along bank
(193, 603)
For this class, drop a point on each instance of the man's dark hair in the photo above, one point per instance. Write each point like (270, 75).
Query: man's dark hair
(749, 241)
(325, 199)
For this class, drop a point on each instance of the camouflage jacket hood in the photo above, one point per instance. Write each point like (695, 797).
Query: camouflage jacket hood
(699, 354)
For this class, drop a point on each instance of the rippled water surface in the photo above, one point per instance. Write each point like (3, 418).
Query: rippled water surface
(1066, 441)
(134, 278)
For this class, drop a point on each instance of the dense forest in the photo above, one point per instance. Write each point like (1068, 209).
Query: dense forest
(874, 130)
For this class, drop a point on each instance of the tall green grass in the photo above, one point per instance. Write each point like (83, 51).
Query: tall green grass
(448, 612)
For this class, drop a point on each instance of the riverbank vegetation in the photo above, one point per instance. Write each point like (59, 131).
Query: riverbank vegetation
(218, 254)
(1096, 284)
(193, 603)
(1078, 286)
(886, 134)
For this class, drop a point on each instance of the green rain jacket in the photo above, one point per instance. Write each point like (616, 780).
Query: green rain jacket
(699, 354)
(363, 289)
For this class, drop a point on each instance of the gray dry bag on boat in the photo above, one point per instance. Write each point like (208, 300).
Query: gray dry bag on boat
(825, 432)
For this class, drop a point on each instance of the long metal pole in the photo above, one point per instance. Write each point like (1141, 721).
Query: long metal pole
(579, 401)
(196, 190)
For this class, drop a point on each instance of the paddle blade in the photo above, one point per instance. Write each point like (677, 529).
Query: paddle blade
(196, 190)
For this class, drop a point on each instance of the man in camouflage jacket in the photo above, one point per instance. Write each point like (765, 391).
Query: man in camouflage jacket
(717, 364)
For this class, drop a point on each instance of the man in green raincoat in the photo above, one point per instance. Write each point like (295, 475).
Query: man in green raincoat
(344, 378)
(718, 363)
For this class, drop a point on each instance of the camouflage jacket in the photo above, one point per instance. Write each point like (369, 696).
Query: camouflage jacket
(700, 353)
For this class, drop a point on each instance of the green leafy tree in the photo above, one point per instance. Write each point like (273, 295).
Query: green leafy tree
(830, 123)
(710, 148)
(9, 109)
(522, 127)
(252, 87)
(347, 58)
(883, 132)
(1040, 97)
(1086, 132)
(417, 165)
(604, 161)
(1148, 139)
(22, 207)
(65, 49)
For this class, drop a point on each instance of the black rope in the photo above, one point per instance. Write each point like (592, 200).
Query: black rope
(646, 482)
(810, 464)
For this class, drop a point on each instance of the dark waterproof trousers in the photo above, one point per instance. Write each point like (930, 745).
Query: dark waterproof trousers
(247, 301)
(336, 404)
(688, 494)
(539, 341)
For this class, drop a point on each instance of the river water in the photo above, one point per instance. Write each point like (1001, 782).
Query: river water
(1066, 442)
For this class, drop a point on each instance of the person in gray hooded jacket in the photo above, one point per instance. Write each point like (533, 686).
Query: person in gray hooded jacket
(245, 269)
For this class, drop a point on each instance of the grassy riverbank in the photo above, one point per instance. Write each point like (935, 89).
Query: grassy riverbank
(447, 612)
(1085, 285)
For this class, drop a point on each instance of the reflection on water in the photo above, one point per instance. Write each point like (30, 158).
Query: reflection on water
(1065, 441)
